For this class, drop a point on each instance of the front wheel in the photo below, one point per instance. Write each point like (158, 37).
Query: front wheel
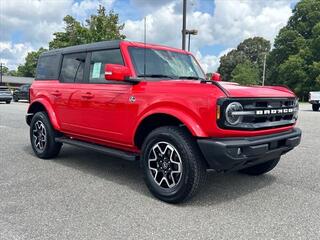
(172, 164)
(261, 168)
(42, 137)
(315, 107)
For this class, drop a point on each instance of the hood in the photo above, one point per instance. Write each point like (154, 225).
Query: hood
(236, 90)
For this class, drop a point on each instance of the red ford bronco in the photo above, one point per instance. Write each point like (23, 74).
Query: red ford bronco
(154, 104)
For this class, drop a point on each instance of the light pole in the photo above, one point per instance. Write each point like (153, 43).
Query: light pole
(184, 24)
(0, 73)
(264, 69)
(191, 32)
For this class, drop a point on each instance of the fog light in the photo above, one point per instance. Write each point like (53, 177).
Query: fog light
(235, 152)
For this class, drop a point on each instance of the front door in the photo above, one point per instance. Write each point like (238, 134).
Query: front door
(105, 102)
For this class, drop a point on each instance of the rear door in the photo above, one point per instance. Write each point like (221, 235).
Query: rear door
(105, 102)
(68, 97)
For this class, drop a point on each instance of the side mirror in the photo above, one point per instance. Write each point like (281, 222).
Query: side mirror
(215, 77)
(116, 72)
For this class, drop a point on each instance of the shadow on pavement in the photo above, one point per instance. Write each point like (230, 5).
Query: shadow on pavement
(223, 187)
(219, 188)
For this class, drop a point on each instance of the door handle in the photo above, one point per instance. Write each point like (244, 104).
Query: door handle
(87, 95)
(56, 93)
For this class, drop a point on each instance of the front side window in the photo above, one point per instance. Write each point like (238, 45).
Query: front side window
(98, 61)
(73, 67)
(162, 63)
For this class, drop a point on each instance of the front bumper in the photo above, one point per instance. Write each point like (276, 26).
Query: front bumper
(232, 154)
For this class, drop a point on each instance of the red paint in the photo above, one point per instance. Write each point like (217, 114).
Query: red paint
(104, 114)
(216, 77)
(116, 72)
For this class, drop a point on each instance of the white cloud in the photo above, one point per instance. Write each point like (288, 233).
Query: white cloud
(13, 54)
(34, 21)
(234, 21)
(81, 10)
(162, 27)
(210, 63)
(229, 24)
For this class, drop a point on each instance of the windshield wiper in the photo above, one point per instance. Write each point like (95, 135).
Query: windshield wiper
(191, 77)
(155, 76)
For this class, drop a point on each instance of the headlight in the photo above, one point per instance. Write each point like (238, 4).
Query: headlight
(231, 118)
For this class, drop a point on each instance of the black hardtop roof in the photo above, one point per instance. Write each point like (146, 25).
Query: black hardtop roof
(85, 47)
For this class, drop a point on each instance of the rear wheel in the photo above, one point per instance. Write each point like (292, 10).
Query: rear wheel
(172, 164)
(42, 137)
(261, 168)
(315, 107)
(8, 102)
(15, 99)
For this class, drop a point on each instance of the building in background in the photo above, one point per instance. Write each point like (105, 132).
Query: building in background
(15, 82)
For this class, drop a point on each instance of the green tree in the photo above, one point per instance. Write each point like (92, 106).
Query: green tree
(97, 28)
(28, 69)
(251, 49)
(12, 73)
(4, 70)
(246, 73)
(294, 60)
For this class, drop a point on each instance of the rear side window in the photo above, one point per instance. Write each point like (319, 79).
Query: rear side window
(72, 69)
(99, 59)
(47, 67)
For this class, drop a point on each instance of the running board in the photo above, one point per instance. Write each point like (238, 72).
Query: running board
(95, 147)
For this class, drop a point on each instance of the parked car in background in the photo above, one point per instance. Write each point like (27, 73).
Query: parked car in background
(22, 93)
(5, 94)
(314, 99)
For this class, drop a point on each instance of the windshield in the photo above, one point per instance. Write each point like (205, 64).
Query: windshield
(165, 64)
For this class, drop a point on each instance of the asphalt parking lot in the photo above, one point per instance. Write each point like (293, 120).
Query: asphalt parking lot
(87, 195)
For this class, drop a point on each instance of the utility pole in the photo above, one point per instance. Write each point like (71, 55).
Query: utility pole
(0, 73)
(191, 32)
(264, 69)
(184, 24)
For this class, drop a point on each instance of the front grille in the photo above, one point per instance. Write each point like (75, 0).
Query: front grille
(260, 113)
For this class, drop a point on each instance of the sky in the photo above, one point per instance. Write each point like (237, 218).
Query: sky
(26, 25)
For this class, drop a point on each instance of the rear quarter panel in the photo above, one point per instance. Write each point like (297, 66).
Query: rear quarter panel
(40, 92)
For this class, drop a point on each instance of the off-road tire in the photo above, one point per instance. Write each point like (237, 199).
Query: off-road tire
(193, 171)
(51, 148)
(260, 168)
